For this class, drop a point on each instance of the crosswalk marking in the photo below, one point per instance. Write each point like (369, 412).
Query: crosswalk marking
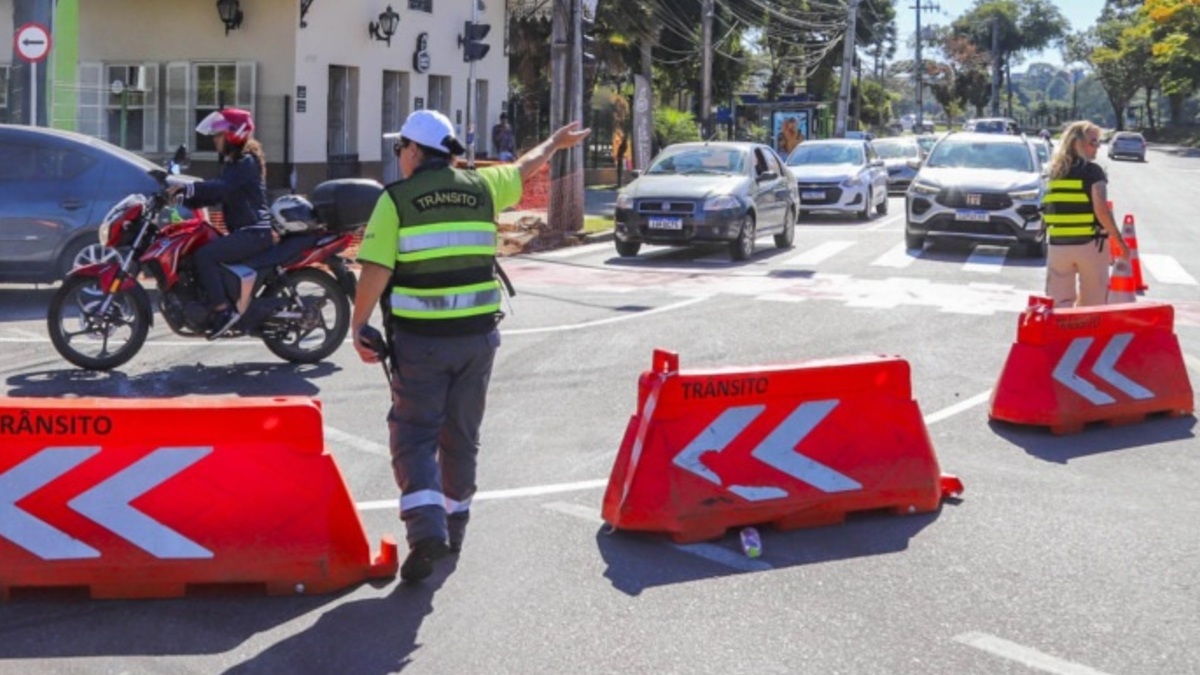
(986, 260)
(1166, 269)
(819, 254)
(897, 257)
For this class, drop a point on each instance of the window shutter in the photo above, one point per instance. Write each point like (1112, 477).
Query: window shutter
(92, 95)
(179, 105)
(149, 83)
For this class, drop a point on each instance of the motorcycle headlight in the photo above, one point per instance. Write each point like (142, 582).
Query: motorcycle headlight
(722, 203)
(624, 201)
(1025, 194)
(925, 189)
(103, 234)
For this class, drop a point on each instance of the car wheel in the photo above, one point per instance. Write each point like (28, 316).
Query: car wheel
(743, 247)
(882, 209)
(865, 214)
(628, 249)
(912, 241)
(786, 238)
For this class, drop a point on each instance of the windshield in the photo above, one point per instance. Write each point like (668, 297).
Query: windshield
(1043, 151)
(971, 154)
(897, 150)
(690, 160)
(808, 154)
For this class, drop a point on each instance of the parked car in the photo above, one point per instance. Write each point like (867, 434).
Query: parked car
(732, 192)
(55, 189)
(1127, 144)
(841, 175)
(901, 156)
(980, 187)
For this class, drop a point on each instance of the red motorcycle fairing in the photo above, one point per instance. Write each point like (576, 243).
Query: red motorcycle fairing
(175, 242)
(105, 274)
(321, 253)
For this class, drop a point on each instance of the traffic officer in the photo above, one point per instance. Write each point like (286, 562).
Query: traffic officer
(1078, 221)
(428, 258)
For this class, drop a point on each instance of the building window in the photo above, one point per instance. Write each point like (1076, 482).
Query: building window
(439, 94)
(118, 102)
(421, 5)
(220, 85)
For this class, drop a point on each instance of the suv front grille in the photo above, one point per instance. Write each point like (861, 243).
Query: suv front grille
(968, 199)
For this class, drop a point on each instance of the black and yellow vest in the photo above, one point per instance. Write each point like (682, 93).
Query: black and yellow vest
(1067, 211)
(444, 281)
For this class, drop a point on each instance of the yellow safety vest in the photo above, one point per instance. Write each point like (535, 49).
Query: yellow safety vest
(1067, 211)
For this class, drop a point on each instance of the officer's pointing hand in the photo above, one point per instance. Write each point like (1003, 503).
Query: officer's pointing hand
(569, 136)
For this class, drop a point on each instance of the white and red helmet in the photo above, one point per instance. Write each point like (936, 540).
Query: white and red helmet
(234, 123)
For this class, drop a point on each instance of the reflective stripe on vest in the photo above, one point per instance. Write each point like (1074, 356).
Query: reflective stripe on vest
(1068, 211)
(427, 242)
(446, 303)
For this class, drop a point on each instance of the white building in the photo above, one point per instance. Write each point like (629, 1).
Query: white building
(320, 82)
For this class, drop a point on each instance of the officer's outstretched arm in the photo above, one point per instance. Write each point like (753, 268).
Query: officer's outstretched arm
(566, 137)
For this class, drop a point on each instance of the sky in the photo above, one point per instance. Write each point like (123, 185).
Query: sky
(1081, 13)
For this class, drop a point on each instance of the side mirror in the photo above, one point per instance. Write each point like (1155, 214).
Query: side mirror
(635, 174)
(767, 175)
(877, 162)
(914, 163)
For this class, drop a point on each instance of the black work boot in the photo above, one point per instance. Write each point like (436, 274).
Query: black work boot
(458, 532)
(419, 563)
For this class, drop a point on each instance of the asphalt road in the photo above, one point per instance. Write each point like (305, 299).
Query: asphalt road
(1071, 555)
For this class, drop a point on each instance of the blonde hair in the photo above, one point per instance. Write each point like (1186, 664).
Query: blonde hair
(1065, 154)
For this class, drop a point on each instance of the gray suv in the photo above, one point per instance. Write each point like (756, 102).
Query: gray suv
(978, 187)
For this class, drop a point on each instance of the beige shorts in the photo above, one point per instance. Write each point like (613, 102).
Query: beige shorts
(1077, 274)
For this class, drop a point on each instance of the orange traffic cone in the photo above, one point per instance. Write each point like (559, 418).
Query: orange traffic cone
(1129, 232)
(1121, 287)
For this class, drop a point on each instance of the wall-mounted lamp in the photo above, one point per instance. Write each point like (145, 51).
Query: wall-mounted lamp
(304, 5)
(231, 14)
(386, 27)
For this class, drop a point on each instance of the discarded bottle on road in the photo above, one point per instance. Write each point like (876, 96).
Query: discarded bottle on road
(751, 542)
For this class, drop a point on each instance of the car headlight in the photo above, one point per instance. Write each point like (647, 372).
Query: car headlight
(624, 201)
(924, 189)
(722, 203)
(1026, 194)
(853, 181)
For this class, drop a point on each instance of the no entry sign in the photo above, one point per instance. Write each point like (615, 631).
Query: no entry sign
(32, 42)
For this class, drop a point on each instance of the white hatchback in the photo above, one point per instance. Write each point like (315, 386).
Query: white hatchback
(840, 175)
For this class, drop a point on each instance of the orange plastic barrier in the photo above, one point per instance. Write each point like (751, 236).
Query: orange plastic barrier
(167, 498)
(1071, 367)
(796, 446)
(1121, 287)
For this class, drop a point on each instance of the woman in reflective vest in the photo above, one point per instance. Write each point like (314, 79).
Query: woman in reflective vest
(1078, 221)
(428, 256)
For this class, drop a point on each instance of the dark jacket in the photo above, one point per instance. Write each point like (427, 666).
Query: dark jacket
(241, 192)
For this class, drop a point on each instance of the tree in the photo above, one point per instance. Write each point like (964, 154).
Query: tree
(1120, 57)
(1174, 27)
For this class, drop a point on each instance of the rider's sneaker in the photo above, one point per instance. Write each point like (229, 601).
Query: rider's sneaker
(223, 323)
(419, 563)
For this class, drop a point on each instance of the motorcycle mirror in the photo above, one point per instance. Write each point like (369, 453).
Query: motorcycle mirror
(181, 158)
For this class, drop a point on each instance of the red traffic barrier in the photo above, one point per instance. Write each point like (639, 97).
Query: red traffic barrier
(787, 445)
(168, 498)
(1071, 367)
(1121, 287)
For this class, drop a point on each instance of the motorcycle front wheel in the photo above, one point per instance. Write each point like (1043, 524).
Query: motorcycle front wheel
(314, 322)
(93, 336)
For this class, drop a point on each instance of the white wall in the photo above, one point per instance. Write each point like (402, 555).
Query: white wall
(338, 35)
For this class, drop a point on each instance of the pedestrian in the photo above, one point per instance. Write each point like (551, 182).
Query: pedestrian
(428, 259)
(1078, 221)
(241, 191)
(504, 140)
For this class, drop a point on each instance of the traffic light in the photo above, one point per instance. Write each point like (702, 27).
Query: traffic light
(471, 40)
(587, 24)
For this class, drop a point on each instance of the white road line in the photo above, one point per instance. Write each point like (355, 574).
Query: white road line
(342, 439)
(897, 257)
(958, 408)
(605, 322)
(515, 493)
(1167, 270)
(985, 260)
(709, 552)
(887, 222)
(818, 255)
(570, 251)
(1026, 656)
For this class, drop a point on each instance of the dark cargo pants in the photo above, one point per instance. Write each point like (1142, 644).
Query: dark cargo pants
(439, 392)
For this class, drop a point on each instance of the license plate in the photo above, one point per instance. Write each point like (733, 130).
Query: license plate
(666, 223)
(972, 216)
(813, 194)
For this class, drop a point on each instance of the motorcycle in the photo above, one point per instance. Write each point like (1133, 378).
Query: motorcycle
(296, 296)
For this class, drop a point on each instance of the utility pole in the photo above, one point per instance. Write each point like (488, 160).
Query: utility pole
(995, 66)
(706, 18)
(471, 94)
(928, 6)
(566, 105)
(839, 130)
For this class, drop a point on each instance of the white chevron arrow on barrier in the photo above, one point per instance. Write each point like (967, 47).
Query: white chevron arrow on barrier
(107, 503)
(1066, 371)
(777, 450)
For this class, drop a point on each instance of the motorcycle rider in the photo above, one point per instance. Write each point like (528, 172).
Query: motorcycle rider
(241, 191)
